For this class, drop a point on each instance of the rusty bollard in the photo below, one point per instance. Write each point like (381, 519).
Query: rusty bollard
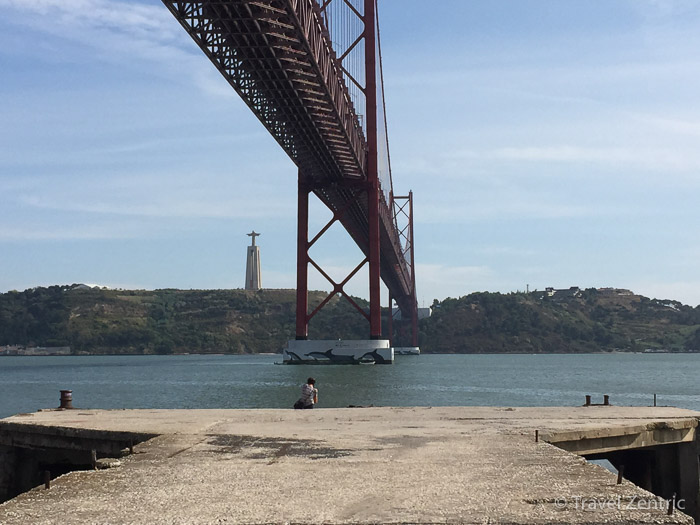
(606, 400)
(588, 401)
(671, 504)
(66, 399)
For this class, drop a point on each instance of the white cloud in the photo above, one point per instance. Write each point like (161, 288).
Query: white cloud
(687, 292)
(513, 197)
(676, 126)
(76, 19)
(442, 280)
(475, 209)
(647, 159)
(662, 9)
(81, 232)
(122, 32)
(193, 195)
(507, 251)
(133, 18)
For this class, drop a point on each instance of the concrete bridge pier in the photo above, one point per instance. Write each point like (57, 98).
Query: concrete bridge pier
(28, 452)
(671, 470)
(689, 476)
(662, 458)
(23, 468)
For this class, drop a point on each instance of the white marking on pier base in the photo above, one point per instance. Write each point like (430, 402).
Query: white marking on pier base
(406, 350)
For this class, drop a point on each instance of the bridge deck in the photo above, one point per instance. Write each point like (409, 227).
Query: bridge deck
(277, 55)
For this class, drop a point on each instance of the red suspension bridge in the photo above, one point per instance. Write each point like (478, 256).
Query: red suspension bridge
(311, 72)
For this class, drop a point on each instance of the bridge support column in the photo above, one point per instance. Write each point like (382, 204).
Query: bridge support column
(414, 309)
(375, 307)
(390, 321)
(375, 298)
(302, 321)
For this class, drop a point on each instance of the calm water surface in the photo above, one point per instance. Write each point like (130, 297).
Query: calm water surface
(195, 381)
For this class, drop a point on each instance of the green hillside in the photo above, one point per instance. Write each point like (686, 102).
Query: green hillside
(165, 321)
(90, 320)
(569, 321)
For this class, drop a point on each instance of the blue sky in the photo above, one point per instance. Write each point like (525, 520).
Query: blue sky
(548, 143)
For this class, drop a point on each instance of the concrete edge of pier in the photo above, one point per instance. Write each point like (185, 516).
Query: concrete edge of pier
(369, 465)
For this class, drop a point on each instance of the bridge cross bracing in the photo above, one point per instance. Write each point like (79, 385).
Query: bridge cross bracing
(310, 70)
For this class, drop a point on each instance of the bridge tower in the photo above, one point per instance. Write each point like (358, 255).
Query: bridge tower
(310, 70)
(369, 190)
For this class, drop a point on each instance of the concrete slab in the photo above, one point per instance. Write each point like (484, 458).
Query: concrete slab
(363, 465)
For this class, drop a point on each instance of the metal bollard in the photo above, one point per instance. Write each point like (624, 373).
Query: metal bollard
(606, 400)
(66, 399)
(588, 401)
(47, 479)
(620, 474)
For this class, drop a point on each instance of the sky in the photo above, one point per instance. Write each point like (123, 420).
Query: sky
(547, 143)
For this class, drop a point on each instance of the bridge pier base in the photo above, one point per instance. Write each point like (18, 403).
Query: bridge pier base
(406, 350)
(338, 352)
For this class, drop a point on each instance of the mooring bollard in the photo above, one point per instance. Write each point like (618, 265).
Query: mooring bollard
(654, 399)
(606, 400)
(47, 479)
(588, 401)
(537, 436)
(620, 474)
(66, 399)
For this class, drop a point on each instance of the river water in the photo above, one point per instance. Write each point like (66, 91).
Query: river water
(200, 381)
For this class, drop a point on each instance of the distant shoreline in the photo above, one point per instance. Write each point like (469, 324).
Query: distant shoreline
(75, 321)
(221, 354)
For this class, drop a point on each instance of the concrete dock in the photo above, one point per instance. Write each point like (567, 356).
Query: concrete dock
(354, 465)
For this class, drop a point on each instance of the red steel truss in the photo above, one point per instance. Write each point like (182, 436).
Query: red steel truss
(403, 221)
(278, 56)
